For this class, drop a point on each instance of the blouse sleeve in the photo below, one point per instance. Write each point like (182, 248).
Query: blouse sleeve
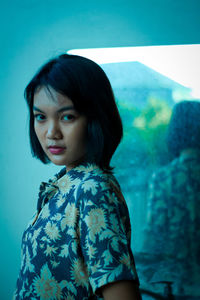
(105, 235)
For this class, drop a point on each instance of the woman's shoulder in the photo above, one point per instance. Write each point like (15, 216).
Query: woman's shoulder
(90, 171)
(105, 180)
(101, 188)
(89, 181)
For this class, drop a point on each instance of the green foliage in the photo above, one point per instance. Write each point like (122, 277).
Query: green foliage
(151, 125)
(144, 142)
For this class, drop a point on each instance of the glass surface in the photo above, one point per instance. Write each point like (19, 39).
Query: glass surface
(148, 82)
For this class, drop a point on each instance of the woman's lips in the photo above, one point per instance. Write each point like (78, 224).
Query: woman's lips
(56, 150)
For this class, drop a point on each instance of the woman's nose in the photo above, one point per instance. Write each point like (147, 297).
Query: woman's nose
(53, 131)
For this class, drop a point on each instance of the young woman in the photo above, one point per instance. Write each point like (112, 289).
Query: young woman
(77, 246)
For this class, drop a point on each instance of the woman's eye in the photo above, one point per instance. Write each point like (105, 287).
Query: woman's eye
(39, 117)
(68, 117)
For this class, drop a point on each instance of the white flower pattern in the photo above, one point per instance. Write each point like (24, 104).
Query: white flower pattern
(79, 241)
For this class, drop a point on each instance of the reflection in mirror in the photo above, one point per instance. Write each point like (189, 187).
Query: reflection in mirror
(158, 162)
(172, 235)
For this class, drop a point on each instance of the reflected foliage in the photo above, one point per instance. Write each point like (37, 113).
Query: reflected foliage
(143, 143)
(151, 125)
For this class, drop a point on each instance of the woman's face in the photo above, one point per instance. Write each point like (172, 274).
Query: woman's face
(60, 129)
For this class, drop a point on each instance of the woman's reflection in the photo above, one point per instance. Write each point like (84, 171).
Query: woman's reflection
(172, 236)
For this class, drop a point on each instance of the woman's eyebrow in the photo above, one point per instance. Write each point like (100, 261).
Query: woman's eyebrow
(59, 110)
(66, 108)
(37, 109)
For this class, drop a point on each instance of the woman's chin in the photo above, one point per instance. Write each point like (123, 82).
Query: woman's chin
(58, 162)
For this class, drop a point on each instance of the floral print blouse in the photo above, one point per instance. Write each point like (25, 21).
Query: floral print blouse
(80, 240)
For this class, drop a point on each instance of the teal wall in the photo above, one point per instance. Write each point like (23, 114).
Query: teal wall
(33, 31)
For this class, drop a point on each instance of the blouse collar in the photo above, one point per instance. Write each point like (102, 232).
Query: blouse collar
(48, 189)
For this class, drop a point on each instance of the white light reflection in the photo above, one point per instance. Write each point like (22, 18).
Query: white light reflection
(180, 63)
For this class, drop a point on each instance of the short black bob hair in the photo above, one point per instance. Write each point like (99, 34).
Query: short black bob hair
(88, 87)
(184, 127)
